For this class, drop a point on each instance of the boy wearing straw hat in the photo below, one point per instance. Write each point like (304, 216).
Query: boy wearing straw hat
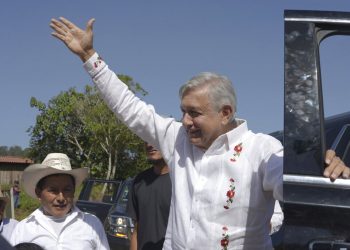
(58, 223)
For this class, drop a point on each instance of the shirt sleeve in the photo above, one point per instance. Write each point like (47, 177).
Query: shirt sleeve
(140, 117)
(277, 218)
(273, 169)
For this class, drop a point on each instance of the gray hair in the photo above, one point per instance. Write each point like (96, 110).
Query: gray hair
(219, 87)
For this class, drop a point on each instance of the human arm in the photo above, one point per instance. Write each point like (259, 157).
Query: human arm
(134, 113)
(133, 239)
(273, 167)
(277, 218)
(79, 41)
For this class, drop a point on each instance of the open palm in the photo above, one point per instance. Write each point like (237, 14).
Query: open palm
(77, 40)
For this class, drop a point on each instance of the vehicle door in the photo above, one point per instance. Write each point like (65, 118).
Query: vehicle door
(316, 210)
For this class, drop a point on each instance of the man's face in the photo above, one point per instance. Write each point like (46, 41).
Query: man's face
(203, 124)
(57, 195)
(153, 155)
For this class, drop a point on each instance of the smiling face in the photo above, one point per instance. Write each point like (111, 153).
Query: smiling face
(202, 122)
(56, 194)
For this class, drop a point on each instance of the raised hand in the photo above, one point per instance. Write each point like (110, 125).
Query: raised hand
(79, 41)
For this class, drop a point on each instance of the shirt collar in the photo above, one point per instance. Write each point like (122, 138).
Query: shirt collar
(236, 134)
(39, 213)
(224, 141)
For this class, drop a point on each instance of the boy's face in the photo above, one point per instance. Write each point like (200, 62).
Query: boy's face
(57, 195)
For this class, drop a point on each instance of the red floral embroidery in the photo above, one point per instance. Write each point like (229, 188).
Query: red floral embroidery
(238, 148)
(98, 62)
(230, 194)
(237, 151)
(224, 240)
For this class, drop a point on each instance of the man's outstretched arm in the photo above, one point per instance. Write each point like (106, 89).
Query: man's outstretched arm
(79, 41)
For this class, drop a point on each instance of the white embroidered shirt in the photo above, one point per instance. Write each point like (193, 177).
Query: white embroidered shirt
(222, 198)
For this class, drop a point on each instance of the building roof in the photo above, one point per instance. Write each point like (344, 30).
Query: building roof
(15, 159)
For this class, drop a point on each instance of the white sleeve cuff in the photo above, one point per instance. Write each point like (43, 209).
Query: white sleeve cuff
(94, 65)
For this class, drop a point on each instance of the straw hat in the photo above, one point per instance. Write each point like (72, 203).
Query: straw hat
(54, 163)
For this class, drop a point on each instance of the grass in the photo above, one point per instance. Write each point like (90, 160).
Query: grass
(27, 206)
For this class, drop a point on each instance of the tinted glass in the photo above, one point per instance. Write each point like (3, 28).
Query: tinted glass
(103, 192)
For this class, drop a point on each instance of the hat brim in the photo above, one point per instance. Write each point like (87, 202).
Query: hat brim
(35, 172)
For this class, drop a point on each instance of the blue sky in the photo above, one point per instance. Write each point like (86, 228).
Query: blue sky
(161, 44)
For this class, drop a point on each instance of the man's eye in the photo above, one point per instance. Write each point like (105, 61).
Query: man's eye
(194, 113)
(68, 190)
(52, 190)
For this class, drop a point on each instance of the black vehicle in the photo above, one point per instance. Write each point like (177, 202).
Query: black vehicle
(337, 133)
(316, 210)
(118, 225)
(97, 196)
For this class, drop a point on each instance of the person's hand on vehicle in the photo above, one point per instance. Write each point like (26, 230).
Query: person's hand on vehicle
(335, 167)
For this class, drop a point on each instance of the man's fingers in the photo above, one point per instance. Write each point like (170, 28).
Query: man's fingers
(335, 168)
(338, 170)
(57, 25)
(89, 25)
(333, 162)
(61, 37)
(57, 29)
(346, 173)
(329, 156)
(69, 24)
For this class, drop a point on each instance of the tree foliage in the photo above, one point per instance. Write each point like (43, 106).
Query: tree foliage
(83, 127)
(13, 151)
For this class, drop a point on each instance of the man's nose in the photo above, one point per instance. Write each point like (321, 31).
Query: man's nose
(60, 196)
(187, 120)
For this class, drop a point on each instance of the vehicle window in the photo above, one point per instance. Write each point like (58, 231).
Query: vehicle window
(124, 193)
(103, 192)
(335, 59)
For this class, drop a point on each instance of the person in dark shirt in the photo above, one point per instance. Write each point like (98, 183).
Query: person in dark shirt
(149, 203)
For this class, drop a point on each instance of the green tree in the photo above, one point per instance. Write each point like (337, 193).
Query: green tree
(83, 127)
(3, 150)
(14, 151)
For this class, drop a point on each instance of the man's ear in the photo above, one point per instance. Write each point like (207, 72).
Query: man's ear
(227, 114)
